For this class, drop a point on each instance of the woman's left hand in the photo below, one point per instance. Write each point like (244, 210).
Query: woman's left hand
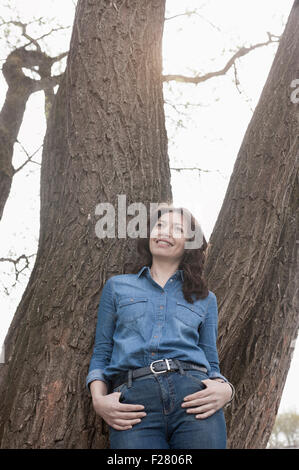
(206, 402)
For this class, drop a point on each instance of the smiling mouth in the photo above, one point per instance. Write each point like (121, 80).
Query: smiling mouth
(163, 243)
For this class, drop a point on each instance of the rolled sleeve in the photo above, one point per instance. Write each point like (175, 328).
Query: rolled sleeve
(216, 375)
(208, 338)
(95, 374)
(103, 343)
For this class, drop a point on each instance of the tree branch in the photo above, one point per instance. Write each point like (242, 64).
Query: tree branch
(190, 13)
(16, 261)
(29, 157)
(198, 169)
(237, 55)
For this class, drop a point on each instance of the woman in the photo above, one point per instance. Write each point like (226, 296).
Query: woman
(154, 374)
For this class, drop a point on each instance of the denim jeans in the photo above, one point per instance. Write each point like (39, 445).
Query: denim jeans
(167, 425)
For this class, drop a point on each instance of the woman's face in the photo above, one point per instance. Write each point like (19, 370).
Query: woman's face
(170, 227)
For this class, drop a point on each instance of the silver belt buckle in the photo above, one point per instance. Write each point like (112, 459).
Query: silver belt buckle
(161, 371)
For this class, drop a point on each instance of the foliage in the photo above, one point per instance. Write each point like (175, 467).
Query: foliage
(285, 433)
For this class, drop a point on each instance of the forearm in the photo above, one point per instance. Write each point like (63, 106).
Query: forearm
(96, 382)
(98, 388)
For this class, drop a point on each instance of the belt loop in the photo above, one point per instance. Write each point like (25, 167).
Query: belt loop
(177, 362)
(130, 374)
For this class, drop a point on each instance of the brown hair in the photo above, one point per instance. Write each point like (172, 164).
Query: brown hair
(192, 262)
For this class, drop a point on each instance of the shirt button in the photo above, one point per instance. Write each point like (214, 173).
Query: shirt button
(161, 306)
(153, 354)
(131, 300)
(171, 280)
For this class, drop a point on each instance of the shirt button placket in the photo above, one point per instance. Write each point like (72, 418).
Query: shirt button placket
(157, 328)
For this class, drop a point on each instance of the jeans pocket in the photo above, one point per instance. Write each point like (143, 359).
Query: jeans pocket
(122, 389)
(197, 376)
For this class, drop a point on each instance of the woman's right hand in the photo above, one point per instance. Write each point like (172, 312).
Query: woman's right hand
(119, 416)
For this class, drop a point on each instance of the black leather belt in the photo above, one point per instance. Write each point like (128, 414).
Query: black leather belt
(156, 367)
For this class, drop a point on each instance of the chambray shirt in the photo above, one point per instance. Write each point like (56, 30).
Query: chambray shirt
(140, 322)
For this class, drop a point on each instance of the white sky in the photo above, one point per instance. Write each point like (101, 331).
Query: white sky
(214, 125)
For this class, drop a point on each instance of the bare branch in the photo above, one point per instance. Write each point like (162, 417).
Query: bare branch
(29, 157)
(184, 105)
(193, 12)
(199, 170)
(32, 40)
(237, 55)
(237, 83)
(236, 79)
(16, 261)
(187, 13)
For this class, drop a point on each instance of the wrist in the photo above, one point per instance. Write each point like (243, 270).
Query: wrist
(233, 391)
(97, 401)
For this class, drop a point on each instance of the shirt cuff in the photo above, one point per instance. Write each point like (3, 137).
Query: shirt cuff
(95, 374)
(217, 375)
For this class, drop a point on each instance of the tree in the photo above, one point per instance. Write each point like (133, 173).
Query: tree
(106, 136)
(252, 263)
(20, 87)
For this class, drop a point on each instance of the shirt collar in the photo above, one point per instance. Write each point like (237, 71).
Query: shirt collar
(146, 268)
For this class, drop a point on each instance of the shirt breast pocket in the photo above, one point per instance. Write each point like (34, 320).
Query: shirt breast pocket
(189, 314)
(130, 309)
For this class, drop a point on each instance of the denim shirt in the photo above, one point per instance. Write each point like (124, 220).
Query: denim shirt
(140, 322)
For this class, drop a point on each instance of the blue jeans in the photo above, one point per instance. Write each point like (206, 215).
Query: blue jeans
(167, 425)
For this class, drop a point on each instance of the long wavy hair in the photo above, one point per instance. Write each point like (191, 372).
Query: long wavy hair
(192, 261)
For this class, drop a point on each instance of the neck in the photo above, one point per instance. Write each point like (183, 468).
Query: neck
(163, 269)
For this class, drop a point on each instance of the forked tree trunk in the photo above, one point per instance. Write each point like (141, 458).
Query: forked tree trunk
(252, 264)
(106, 136)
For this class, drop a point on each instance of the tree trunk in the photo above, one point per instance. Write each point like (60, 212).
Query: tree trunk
(106, 136)
(20, 87)
(11, 116)
(253, 258)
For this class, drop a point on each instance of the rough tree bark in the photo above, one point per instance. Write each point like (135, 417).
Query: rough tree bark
(252, 264)
(106, 136)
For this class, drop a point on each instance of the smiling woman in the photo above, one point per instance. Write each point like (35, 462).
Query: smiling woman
(155, 359)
